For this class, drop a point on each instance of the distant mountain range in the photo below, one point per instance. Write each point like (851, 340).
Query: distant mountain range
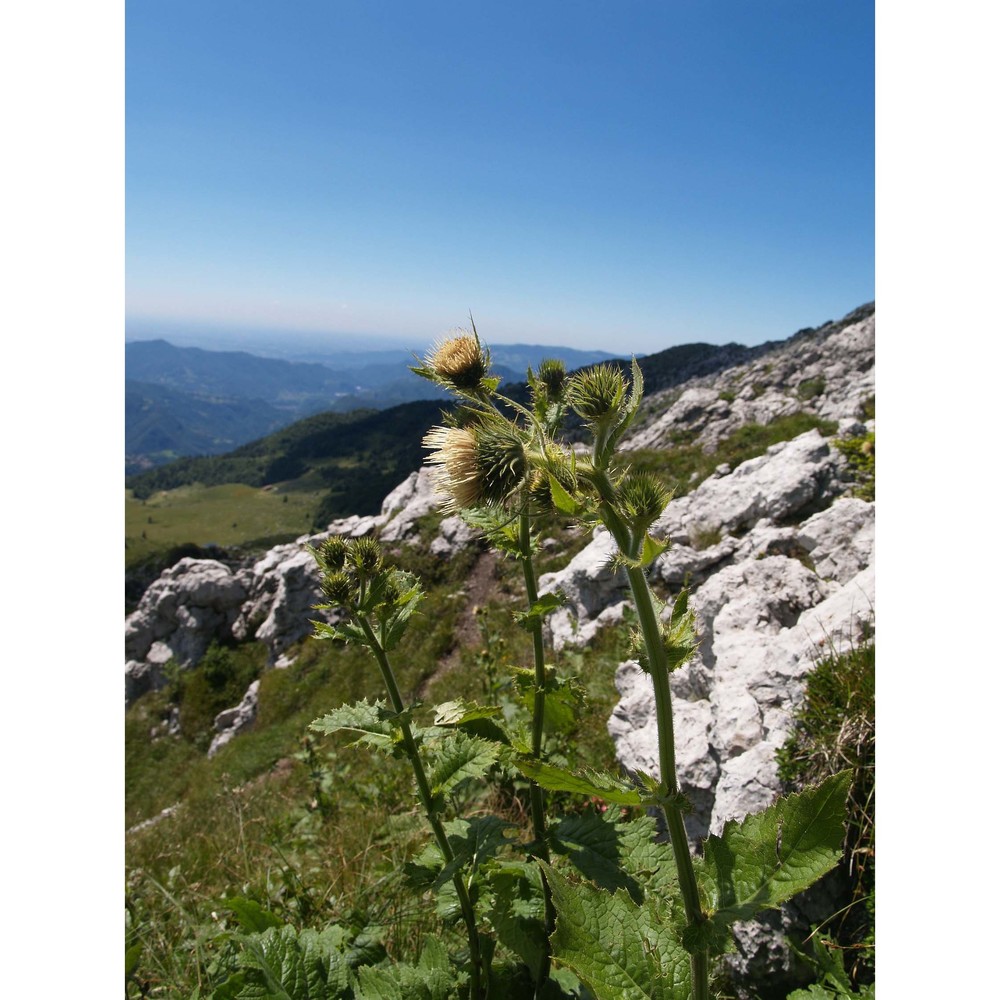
(183, 401)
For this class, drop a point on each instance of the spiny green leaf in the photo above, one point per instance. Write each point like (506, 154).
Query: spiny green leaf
(397, 614)
(404, 982)
(378, 726)
(649, 861)
(772, 855)
(594, 847)
(459, 757)
(563, 699)
(345, 631)
(595, 784)
(681, 639)
(651, 548)
(455, 713)
(474, 843)
(622, 951)
(498, 526)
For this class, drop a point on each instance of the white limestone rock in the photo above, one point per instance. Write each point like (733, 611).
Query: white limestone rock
(590, 584)
(181, 612)
(841, 539)
(232, 721)
(828, 372)
(453, 536)
(411, 500)
(789, 478)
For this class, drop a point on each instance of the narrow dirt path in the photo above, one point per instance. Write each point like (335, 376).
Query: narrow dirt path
(479, 587)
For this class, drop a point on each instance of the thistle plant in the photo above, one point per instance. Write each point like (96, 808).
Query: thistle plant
(627, 504)
(376, 603)
(585, 905)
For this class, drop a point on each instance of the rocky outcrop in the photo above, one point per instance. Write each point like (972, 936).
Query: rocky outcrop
(189, 605)
(749, 512)
(199, 601)
(829, 372)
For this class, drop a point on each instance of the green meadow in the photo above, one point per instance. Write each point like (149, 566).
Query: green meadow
(232, 514)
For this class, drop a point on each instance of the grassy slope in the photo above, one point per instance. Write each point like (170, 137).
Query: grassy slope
(227, 515)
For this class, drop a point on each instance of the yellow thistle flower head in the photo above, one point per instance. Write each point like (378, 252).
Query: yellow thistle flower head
(460, 360)
(477, 466)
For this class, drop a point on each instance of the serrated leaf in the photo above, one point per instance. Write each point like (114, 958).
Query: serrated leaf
(594, 847)
(681, 639)
(563, 699)
(594, 784)
(454, 713)
(250, 915)
(376, 724)
(344, 632)
(518, 912)
(392, 627)
(651, 548)
(542, 608)
(428, 980)
(649, 861)
(474, 842)
(497, 525)
(477, 720)
(458, 758)
(772, 855)
(282, 965)
(621, 950)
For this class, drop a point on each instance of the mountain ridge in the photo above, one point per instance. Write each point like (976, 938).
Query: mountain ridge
(184, 401)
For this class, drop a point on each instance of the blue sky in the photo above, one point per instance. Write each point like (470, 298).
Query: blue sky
(627, 175)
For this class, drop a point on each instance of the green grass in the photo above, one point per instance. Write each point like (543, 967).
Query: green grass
(229, 515)
(835, 730)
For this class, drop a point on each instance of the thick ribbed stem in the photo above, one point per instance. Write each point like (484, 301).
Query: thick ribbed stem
(537, 794)
(659, 671)
(427, 799)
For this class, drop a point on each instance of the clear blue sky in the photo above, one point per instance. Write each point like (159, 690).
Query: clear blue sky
(626, 175)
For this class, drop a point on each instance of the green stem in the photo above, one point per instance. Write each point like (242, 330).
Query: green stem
(427, 799)
(659, 671)
(537, 727)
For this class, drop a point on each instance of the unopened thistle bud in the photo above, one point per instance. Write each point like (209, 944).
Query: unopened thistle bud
(460, 361)
(552, 374)
(476, 466)
(333, 552)
(366, 555)
(339, 588)
(596, 393)
(643, 497)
